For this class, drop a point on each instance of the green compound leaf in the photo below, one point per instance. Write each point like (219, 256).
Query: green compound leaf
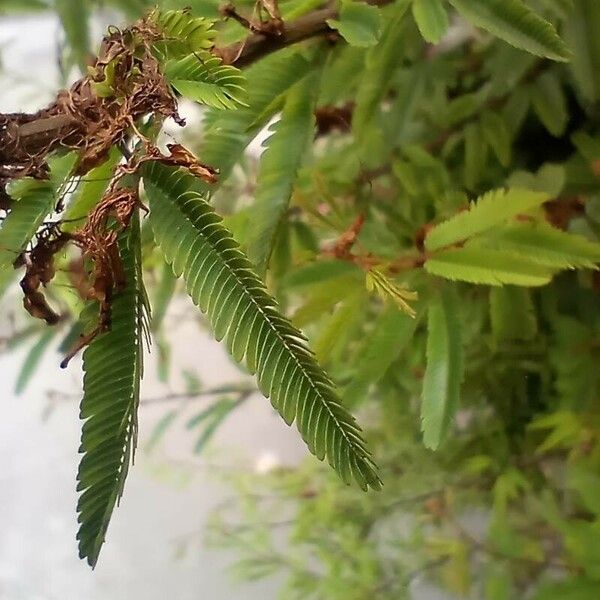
(112, 366)
(359, 23)
(489, 210)
(431, 18)
(203, 78)
(515, 23)
(220, 281)
(445, 367)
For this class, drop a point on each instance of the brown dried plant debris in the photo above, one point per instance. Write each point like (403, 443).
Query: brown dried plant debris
(123, 85)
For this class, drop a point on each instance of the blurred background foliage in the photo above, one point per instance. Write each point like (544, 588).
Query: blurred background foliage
(479, 398)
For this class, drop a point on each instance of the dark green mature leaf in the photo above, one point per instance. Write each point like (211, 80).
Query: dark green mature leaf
(203, 78)
(444, 370)
(220, 280)
(279, 165)
(514, 22)
(359, 23)
(491, 209)
(112, 366)
(431, 18)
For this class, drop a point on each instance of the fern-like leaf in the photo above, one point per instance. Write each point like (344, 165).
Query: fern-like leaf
(203, 78)
(515, 23)
(445, 365)
(220, 281)
(278, 167)
(113, 368)
(490, 210)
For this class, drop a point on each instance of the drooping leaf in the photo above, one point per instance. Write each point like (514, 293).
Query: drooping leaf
(32, 360)
(489, 210)
(391, 333)
(380, 63)
(279, 165)
(444, 369)
(497, 135)
(515, 23)
(581, 33)
(74, 17)
(476, 153)
(220, 280)
(229, 132)
(358, 23)
(163, 295)
(33, 201)
(112, 366)
(431, 18)
(550, 104)
(203, 78)
(512, 313)
(488, 267)
(89, 193)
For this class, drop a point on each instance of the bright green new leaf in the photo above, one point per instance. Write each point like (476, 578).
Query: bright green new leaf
(431, 18)
(112, 366)
(489, 210)
(384, 287)
(203, 78)
(543, 244)
(514, 22)
(488, 267)
(182, 33)
(359, 23)
(220, 280)
(444, 370)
